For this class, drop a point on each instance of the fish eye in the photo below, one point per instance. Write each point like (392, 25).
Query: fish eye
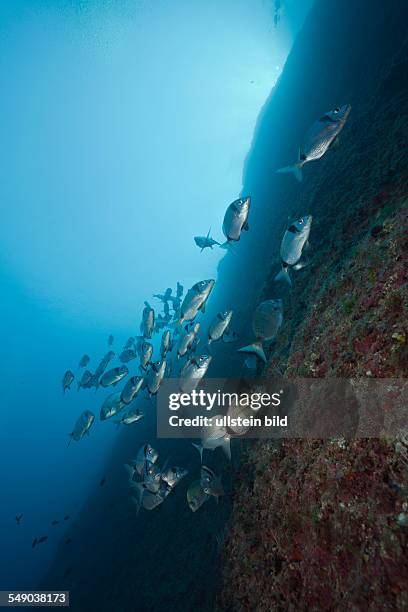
(336, 110)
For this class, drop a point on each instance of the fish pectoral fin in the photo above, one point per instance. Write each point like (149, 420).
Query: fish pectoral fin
(202, 307)
(246, 227)
(307, 246)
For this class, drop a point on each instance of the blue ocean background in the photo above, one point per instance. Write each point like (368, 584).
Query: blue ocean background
(125, 130)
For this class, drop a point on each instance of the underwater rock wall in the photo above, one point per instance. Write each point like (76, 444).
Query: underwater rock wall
(323, 524)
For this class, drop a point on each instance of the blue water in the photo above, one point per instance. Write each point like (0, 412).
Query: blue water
(125, 130)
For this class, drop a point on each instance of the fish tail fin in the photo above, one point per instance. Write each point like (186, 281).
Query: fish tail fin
(228, 245)
(295, 169)
(284, 275)
(255, 349)
(71, 435)
(199, 447)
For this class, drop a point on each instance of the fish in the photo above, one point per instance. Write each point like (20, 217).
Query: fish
(102, 481)
(84, 361)
(165, 345)
(110, 340)
(68, 541)
(173, 475)
(131, 389)
(152, 500)
(145, 453)
(236, 220)
(155, 376)
(18, 518)
(151, 477)
(205, 242)
(130, 417)
(42, 539)
(127, 355)
(113, 376)
(54, 522)
(164, 297)
(266, 322)
(66, 517)
(294, 240)
(147, 324)
(129, 343)
(193, 372)
(195, 300)
(86, 378)
(67, 380)
(82, 426)
(214, 436)
(34, 543)
(185, 342)
(196, 497)
(103, 364)
(237, 410)
(219, 325)
(145, 354)
(210, 483)
(111, 406)
(323, 134)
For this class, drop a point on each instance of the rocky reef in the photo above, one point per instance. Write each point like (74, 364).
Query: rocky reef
(315, 524)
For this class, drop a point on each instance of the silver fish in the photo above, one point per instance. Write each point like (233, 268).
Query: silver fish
(266, 323)
(84, 361)
(210, 483)
(82, 426)
(214, 436)
(195, 300)
(110, 340)
(103, 364)
(146, 354)
(67, 380)
(152, 500)
(146, 453)
(205, 242)
(185, 342)
(219, 325)
(165, 345)
(173, 475)
(111, 406)
(155, 376)
(127, 355)
(321, 136)
(193, 372)
(85, 382)
(147, 325)
(130, 417)
(293, 242)
(129, 343)
(236, 220)
(196, 497)
(131, 389)
(113, 376)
